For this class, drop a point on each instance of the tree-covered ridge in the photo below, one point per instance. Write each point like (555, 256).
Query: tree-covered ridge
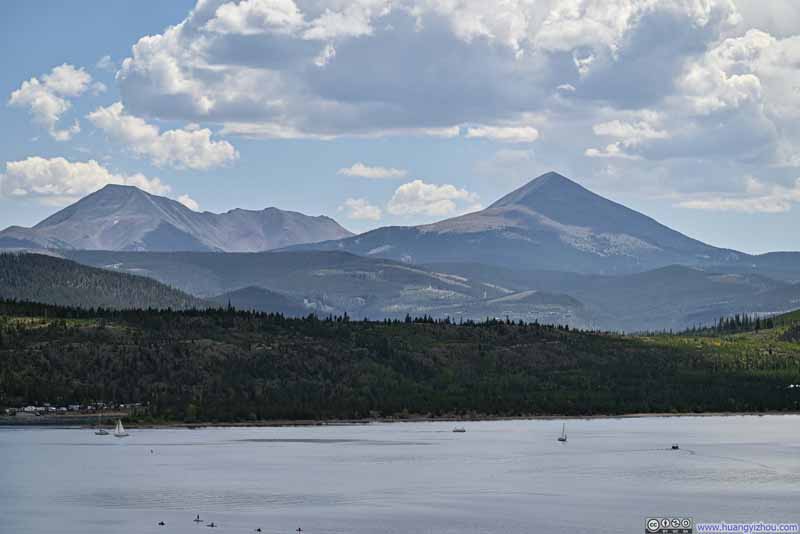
(42, 278)
(789, 318)
(228, 365)
(735, 324)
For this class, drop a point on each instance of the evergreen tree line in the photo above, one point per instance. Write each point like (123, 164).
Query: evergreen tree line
(40, 278)
(228, 365)
(734, 324)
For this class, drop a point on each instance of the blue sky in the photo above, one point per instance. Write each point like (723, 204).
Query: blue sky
(381, 112)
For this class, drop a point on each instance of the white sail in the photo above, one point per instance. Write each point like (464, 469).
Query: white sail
(119, 430)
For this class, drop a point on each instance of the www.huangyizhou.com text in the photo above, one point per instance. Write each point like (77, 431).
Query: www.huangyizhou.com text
(723, 527)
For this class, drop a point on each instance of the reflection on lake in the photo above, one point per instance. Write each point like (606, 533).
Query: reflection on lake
(498, 476)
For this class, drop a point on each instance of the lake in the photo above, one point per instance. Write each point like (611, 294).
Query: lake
(498, 476)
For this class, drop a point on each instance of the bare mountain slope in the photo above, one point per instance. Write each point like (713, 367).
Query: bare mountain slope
(127, 218)
(550, 223)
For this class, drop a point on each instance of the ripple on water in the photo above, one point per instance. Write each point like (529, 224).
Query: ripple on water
(181, 499)
(330, 441)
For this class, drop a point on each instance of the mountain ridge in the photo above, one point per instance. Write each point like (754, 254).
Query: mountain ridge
(323, 282)
(52, 280)
(119, 217)
(550, 223)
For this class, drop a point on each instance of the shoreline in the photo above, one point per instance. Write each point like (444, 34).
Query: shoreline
(83, 422)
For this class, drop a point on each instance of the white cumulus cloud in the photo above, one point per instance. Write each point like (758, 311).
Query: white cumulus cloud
(360, 209)
(252, 17)
(614, 150)
(723, 83)
(508, 134)
(48, 99)
(375, 172)
(60, 181)
(246, 64)
(106, 63)
(325, 56)
(727, 76)
(418, 197)
(189, 202)
(631, 134)
(757, 197)
(190, 147)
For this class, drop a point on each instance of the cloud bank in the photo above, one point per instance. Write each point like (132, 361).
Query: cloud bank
(189, 147)
(60, 181)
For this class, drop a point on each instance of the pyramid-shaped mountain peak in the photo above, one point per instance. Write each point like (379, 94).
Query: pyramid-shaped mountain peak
(113, 196)
(547, 187)
(117, 191)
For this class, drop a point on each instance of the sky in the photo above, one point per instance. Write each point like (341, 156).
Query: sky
(401, 112)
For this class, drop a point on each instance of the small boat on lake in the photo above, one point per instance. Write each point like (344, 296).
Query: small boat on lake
(459, 429)
(119, 430)
(100, 430)
(563, 437)
(676, 447)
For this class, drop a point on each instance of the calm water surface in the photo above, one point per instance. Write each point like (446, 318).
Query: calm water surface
(501, 476)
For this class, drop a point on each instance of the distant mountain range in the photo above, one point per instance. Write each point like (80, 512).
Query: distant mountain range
(126, 218)
(301, 282)
(315, 281)
(550, 223)
(551, 251)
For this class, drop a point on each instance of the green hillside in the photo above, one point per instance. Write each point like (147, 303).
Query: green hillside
(40, 278)
(227, 365)
(788, 318)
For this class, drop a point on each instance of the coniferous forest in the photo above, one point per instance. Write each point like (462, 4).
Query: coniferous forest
(228, 365)
(42, 278)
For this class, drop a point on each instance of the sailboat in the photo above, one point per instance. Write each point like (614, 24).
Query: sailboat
(119, 430)
(100, 430)
(563, 436)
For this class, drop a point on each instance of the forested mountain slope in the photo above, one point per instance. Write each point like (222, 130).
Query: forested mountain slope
(51, 280)
(226, 365)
